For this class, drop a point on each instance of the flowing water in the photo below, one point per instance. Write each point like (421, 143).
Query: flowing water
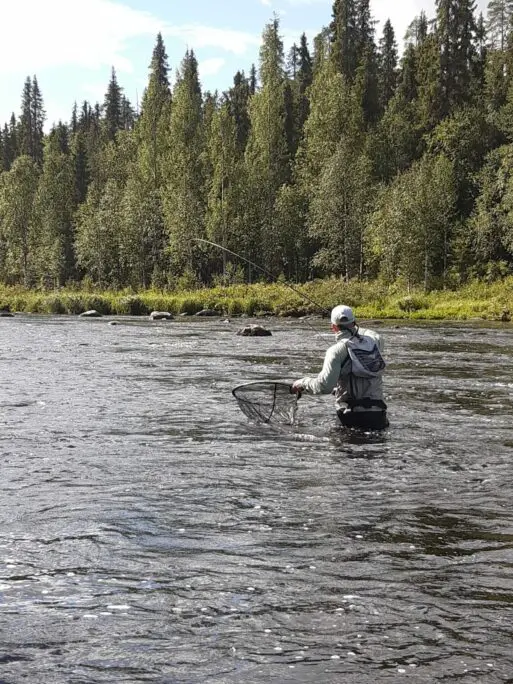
(150, 533)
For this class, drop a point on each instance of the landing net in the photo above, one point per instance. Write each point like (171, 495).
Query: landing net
(267, 402)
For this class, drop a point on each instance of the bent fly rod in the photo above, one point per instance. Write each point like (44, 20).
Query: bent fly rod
(266, 272)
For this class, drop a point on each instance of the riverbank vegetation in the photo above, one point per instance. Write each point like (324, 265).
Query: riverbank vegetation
(335, 161)
(491, 302)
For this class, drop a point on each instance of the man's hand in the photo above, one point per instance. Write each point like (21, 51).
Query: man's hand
(297, 388)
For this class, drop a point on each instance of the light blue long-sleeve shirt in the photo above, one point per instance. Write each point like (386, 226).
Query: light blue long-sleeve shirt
(335, 373)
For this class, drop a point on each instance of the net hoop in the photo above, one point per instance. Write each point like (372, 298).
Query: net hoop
(267, 402)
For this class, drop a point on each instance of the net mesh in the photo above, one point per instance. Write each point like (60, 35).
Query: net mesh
(267, 402)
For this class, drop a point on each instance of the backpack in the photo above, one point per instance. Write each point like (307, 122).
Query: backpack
(366, 359)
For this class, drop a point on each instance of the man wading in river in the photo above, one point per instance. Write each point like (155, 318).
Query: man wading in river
(353, 367)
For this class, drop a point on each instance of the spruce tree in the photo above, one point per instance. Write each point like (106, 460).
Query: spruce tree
(60, 134)
(10, 143)
(224, 201)
(292, 66)
(238, 100)
(32, 121)
(252, 80)
(366, 87)
(184, 200)
(432, 102)
(128, 115)
(387, 64)
(155, 113)
(267, 156)
(344, 37)
(85, 117)
(367, 71)
(8, 149)
(455, 35)
(113, 107)
(291, 112)
(334, 111)
(81, 171)
(26, 136)
(73, 126)
(304, 79)
(38, 120)
(396, 142)
(159, 67)
(331, 109)
(407, 88)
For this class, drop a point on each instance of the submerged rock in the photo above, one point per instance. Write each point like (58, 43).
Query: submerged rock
(254, 331)
(92, 313)
(161, 316)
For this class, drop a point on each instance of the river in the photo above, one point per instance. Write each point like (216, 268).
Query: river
(150, 533)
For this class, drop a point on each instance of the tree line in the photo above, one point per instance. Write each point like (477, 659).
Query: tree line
(336, 159)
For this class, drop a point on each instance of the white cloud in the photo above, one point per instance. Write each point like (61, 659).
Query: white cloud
(35, 35)
(210, 67)
(196, 36)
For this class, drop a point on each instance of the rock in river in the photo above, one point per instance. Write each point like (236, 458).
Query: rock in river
(161, 316)
(92, 313)
(254, 331)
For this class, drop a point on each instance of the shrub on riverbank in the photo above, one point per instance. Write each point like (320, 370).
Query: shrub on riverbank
(369, 299)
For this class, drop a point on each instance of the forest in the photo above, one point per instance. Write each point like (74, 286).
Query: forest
(353, 158)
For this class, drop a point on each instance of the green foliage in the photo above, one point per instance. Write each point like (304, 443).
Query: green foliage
(339, 212)
(476, 299)
(73, 304)
(18, 241)
(190, 305)
(410, 231)
(132, 305)
(410, 304)
(184, 196)
(341, 163)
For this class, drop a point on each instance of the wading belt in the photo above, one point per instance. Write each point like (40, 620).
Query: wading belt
(366, 403)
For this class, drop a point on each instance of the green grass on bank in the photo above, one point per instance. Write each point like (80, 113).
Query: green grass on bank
(369, 299)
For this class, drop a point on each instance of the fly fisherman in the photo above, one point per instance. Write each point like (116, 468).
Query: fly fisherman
(353, 367)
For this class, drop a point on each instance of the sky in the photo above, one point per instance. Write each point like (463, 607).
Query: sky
(71, 45)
